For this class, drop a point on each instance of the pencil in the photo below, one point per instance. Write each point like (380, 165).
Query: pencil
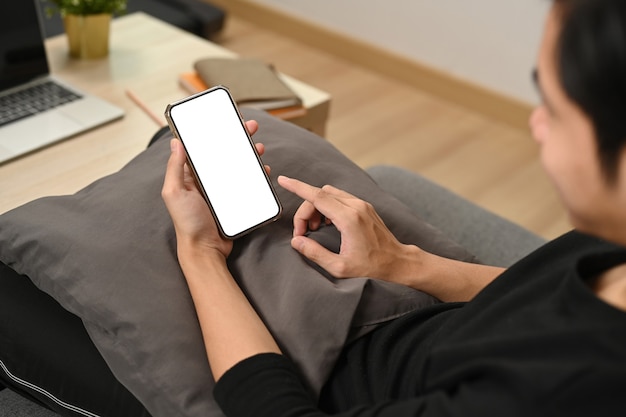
(158, 120)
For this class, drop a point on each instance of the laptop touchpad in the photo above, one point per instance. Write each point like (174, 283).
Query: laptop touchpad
(51, 124)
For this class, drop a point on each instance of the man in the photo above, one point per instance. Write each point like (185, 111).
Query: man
(546, 337)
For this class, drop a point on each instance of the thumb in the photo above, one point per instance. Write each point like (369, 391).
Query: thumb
(312, 250)
(175, 171)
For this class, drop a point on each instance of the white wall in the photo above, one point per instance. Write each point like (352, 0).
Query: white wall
(492, 43)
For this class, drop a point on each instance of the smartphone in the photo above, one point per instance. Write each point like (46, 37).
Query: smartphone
(224, 160)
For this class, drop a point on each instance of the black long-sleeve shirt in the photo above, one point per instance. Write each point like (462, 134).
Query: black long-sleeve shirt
(536, 342)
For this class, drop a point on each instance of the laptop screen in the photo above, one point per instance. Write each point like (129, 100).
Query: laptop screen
(22, 51)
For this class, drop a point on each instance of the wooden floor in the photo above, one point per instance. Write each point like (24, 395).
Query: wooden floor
(375, 120)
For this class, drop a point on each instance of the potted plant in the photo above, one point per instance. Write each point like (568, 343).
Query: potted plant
(87, 24)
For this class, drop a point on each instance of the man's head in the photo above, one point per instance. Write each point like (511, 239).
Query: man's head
(591, 63)
(580, 125)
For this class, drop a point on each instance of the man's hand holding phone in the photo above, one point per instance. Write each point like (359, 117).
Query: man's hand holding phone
(192, 218)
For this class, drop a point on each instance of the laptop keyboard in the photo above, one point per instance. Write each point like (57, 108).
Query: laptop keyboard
(33, 100)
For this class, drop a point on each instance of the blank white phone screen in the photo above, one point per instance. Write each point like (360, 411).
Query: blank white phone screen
(225, 162)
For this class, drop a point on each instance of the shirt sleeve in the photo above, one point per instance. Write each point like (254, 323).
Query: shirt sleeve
(267, 385)
(264, 385)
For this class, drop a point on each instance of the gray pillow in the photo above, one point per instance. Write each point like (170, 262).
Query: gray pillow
(108, 255)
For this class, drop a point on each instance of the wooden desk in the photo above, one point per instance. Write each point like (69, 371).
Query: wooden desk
(146, 56)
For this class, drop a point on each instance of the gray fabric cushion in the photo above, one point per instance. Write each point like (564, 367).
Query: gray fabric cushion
(108, 255)
(493, 239)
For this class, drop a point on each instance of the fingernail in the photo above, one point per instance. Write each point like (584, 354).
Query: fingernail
(297, 243)
(172, 145)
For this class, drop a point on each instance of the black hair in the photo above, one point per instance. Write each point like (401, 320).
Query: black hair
(591, 64)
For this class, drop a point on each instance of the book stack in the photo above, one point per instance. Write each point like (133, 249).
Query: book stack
(251, 82)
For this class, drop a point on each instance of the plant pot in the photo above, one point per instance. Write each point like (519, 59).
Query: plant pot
(88, 35)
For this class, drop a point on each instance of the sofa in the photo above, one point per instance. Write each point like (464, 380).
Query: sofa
(489, 238)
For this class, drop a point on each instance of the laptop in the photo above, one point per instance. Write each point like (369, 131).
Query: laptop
(37, 109)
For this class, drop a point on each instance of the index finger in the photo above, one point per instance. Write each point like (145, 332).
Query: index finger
(326, 203)
(309, 192)
(301, 189)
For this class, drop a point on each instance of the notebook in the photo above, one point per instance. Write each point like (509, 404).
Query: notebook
(37, 109)
(251, 82)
